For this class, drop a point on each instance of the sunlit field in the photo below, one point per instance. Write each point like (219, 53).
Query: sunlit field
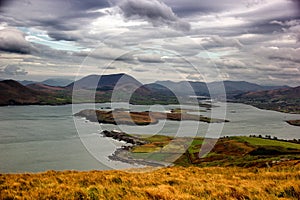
(280, 182)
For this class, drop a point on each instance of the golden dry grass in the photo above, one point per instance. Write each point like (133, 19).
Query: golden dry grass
(281, 182)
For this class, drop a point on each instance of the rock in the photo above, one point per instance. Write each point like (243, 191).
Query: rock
(121, 136)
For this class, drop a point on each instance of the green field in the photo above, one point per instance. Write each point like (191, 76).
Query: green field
(230, 151)
(267, 142)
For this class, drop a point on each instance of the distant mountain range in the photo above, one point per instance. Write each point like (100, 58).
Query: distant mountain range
(51, 82)
(126, 88)
(232, 88)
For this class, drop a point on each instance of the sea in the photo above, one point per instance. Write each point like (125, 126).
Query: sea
(40, 138)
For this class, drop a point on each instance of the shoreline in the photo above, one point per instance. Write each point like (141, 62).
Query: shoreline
(121, 154)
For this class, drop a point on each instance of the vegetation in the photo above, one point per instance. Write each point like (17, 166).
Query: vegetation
(283, 100)
(140, 118)
(281, 182)
(229, 151)
(271, 170)
(294, 122)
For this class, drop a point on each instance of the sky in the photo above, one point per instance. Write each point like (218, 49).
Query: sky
(196, 40)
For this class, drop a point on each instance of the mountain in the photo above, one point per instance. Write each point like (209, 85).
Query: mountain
(284, 100)
(51, 82)
(104, 82)
(232, 88)
(57, 82)
(124, 88)
(185, 88)
(14, 93)
(45, 88)
(26, 82)
(118, 88)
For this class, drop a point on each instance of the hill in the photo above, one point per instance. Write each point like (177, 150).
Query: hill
(191, 183)
(60, 82)
(26, 82)
(119, 88)
(284, 100)
(13, 93)
(45, 88)
(105, 82)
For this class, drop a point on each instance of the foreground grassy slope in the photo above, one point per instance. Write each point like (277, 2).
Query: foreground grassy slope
(281, 182)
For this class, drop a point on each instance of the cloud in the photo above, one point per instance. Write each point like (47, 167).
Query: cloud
(249, 40)
(283, 54)
(231, 63)
(153, 11)
(63, 35)
(150, 58)
(13, 70)
(217, 41)
(292, 27)
(13, 40)
(203, 7)
(63, 15)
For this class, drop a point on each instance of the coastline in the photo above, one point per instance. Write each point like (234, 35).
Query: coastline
(78, 103)
(122, 155)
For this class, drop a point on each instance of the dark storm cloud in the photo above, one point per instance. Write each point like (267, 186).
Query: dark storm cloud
(190, 7)
(154, 11)
(60, 35)
(13, 40)
(57, 14)
(297, 4)
(3, 3)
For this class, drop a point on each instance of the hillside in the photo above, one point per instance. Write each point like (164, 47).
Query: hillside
(192, 183)
(284, 100)
(13, 93)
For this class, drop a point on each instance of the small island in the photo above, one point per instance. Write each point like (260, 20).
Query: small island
(141, 118)
(295, 122)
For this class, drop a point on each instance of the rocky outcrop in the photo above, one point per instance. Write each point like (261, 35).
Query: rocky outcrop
(121, 136)
(294, 122)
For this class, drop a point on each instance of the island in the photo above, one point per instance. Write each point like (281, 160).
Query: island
(295, 122)
(141, 118)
